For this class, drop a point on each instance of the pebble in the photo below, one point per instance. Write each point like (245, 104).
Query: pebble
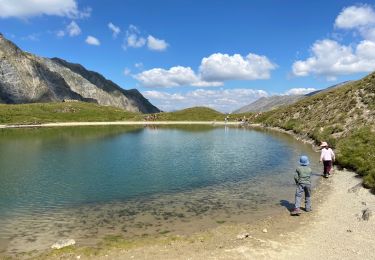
(265, 230)
(243, 236)
(366, 214)
(78, 257)
(63, 243)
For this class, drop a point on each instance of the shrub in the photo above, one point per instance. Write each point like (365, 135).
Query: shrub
(357, 152)
(291, 124)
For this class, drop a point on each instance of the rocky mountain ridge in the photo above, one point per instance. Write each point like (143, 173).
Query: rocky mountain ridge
(269, 103)
(27, 78)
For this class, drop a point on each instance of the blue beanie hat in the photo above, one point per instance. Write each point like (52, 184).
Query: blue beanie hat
(304, 160)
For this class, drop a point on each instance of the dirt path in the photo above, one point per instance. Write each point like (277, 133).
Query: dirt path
(334, 230)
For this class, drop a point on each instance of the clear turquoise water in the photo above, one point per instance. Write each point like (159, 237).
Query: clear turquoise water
(87, 182)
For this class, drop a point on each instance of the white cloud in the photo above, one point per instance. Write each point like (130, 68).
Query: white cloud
(156, 44)
(60, 33)
(30, 8)
(73, 29)
(84, 13)
(329, 58)
(355, 16)
(368, 33)
(138, 65)
(115, 29)
(221, 67)
(135, 42)
(127, 71)
(213, 71)
(92, 40)
(299, 91)
(359, 18)
(133, 29)
(163, 95)
(174, 77)
(366, 52)
(133, 38)
(225, 100)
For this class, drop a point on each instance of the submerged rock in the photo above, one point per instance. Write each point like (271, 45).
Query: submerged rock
(63, 243)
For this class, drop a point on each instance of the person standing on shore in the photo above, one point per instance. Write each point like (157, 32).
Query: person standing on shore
(302, 178)
(327, 156)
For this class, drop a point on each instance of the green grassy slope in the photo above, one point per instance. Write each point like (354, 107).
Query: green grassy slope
(192, 114)
(61, 112)
(344, 117)
(89, 112)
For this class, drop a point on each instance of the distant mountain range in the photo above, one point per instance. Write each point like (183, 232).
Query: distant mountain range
(27, 78)
(269, 103)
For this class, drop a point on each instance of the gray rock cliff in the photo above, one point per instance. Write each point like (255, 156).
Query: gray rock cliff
(27, 78)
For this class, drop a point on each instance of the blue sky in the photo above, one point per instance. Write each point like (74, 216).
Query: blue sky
(222, 54)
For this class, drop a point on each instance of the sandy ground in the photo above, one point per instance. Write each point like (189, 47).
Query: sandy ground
(334, 230)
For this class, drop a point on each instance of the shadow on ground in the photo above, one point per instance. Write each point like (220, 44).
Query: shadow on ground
(289, 206)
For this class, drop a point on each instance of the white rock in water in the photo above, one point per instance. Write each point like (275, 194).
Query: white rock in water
(63, 243)
(265, 230)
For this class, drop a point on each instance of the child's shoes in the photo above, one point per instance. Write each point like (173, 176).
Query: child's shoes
(295, 212)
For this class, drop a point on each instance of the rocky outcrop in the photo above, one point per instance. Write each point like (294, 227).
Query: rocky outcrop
(26, 78)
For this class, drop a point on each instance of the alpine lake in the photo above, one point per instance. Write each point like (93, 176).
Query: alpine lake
(86, 183)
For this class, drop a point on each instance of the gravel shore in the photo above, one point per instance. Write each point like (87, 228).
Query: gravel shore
(334, 230)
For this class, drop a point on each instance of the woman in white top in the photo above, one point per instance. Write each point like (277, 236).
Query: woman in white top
(327, 156)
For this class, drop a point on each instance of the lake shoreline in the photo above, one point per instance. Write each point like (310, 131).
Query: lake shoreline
(334, 229)
(120, 123)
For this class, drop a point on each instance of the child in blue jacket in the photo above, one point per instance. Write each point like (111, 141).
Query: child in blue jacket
(302, 178)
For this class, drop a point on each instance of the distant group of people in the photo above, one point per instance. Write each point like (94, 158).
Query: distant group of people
(303, 173)
(152, 117)
(237, 119)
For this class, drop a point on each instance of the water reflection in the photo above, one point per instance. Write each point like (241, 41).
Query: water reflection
(90, 181)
